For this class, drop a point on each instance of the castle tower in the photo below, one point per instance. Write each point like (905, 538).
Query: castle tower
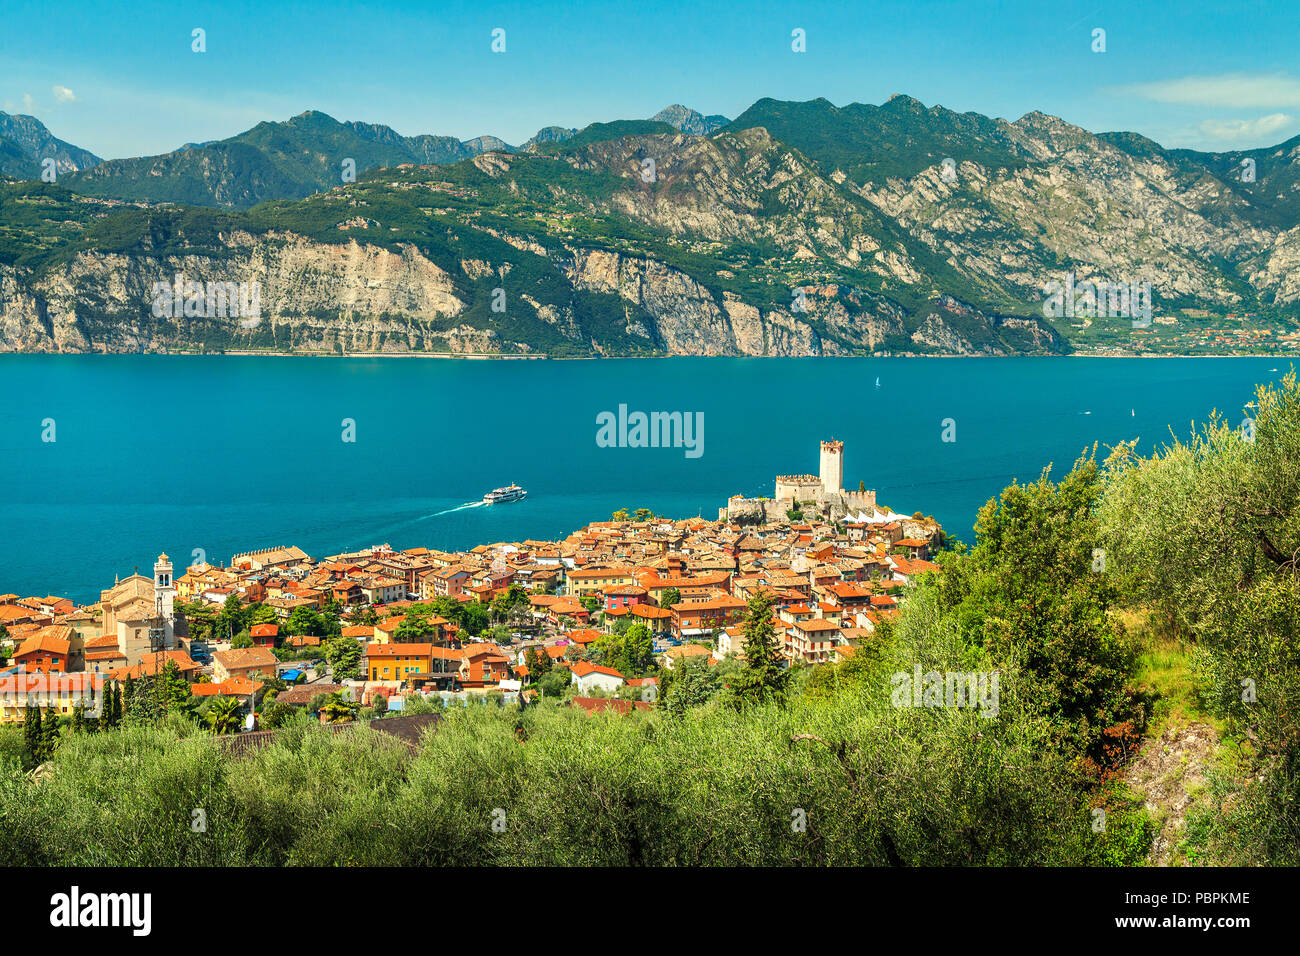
(832, 467)
(164, 597)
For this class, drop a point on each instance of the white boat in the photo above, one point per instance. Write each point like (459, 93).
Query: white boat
(498, 496)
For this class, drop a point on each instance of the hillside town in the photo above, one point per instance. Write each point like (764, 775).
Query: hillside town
(277, 624)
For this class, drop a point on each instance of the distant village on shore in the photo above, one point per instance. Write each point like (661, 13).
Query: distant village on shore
(468, 623)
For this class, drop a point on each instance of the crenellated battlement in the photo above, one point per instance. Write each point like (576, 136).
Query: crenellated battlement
(825, 488)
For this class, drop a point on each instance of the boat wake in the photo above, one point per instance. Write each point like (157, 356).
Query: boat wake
(468, 504)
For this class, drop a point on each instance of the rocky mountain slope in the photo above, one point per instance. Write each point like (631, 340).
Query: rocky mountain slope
(686, 120)
(25, 144)
(797, 229)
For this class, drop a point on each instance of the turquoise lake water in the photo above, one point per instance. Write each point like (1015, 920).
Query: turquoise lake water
(228, 454)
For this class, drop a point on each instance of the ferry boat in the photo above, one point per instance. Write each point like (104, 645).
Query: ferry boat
(502, 495)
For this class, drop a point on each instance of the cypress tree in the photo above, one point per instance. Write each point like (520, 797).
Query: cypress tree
(49, 733)
(32, 735)
(101, 707)
(112, 706)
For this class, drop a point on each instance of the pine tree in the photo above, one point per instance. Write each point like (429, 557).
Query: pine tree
(533, 664)
(764, 678)
(638, 648)
(174, 689)
(101, 708)
(79, 719)
(690, 684)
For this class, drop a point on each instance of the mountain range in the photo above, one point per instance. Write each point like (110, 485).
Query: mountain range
(798, 228)
(287, 160)
(25, 143)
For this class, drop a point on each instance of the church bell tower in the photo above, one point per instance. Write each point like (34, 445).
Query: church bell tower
(164, 599)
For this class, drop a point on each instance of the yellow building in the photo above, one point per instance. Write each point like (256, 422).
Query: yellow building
(590, 581)
(199, 578)
(64, 691)
(397, 661)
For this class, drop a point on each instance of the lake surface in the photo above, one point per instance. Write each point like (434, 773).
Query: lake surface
(229, 454)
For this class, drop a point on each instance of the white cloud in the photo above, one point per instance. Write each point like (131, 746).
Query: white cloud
(64, 95)
(1233, 90)
(1240, 129)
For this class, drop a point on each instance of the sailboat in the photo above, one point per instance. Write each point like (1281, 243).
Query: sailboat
(877, 381)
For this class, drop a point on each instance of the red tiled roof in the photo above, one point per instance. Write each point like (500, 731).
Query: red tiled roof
(650, 611)
(243, 657)
(232, 687)
(53, 639)
(583, 668)
(150, 663)
(399, 650)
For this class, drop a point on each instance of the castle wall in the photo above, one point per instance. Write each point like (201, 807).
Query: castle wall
(861, 500)
(804, 489)
(755, 510)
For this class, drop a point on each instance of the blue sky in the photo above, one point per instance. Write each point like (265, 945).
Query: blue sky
(1210, 75)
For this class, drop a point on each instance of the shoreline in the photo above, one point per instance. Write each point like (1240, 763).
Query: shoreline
(541, 356)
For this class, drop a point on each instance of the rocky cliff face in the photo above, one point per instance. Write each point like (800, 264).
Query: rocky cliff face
(354, 297)
(310, 296)
(358, 298)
